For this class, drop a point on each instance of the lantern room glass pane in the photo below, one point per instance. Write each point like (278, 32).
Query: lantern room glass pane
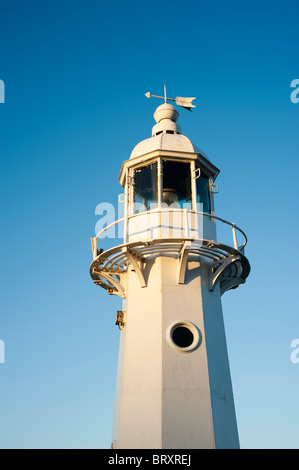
(176, 184)
(203, 194)
(146, 188)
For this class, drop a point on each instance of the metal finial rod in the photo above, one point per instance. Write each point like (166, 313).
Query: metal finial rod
(179, 100)
(148, 95)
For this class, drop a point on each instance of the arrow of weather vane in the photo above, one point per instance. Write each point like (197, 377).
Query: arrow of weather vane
(179, 100)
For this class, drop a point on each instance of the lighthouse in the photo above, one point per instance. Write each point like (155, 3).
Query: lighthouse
(174, 387)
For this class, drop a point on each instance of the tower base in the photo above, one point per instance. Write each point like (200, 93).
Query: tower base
(174, 388)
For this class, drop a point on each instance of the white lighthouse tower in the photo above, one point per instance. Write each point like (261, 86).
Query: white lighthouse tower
(173, 386)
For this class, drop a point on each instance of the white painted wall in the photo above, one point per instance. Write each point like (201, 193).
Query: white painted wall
(167, 223)
(170, 399)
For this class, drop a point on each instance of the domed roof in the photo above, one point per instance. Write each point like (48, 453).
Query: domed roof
(167, 137)
(164, 141)
(166, 134)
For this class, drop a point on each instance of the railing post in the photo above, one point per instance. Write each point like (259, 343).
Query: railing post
(235, 236)
(94, 248)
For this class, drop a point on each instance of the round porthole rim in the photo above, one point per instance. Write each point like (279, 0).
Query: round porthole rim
(197, 338)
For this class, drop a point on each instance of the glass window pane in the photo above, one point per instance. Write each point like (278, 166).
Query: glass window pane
(203, 195)
(176, 184)
(146, 188)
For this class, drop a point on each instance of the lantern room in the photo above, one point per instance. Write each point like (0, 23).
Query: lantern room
(165, 175)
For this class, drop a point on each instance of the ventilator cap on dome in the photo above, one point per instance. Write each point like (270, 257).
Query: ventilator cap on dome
(166, 116)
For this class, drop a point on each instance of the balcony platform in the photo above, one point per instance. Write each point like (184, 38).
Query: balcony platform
(228, 266)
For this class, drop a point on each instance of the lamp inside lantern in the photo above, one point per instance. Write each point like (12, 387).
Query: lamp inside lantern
(170, 196)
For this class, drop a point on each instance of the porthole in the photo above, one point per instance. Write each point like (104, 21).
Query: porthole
(183, 336)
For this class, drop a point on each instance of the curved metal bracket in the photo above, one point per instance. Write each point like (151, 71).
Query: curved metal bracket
(134, 259)
(221, 267)
(119, 290)
(183, 258)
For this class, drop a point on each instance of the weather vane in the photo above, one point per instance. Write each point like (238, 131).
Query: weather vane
(179, 100)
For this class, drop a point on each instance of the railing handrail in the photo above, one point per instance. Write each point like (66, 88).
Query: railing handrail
(161, 209)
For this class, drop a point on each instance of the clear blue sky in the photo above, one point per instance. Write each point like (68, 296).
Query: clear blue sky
(75, 74)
